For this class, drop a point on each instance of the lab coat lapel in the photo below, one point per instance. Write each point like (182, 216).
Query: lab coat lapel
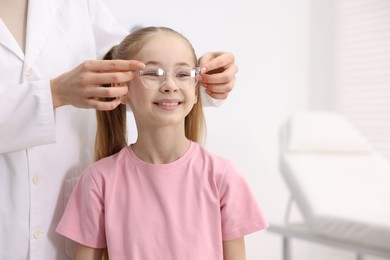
(39, 22)
(8, 41)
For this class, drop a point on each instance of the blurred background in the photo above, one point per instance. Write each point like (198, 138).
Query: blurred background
(292, 55)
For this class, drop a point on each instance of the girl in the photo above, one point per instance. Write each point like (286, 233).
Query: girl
(164, 196)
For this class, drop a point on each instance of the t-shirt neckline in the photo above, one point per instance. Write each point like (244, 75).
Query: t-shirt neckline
(165, 166)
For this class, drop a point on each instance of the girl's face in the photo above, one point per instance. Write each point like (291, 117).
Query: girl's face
(167, 104)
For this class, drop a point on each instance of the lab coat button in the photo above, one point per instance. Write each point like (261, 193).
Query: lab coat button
(37, 234)
(36, 179)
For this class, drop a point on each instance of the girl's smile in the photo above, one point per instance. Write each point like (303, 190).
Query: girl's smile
(168, 104)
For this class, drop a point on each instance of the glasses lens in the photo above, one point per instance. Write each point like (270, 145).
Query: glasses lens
(152, 77)
(186, 77)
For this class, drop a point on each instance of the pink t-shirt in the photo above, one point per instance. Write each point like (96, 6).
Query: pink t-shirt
(180, 210)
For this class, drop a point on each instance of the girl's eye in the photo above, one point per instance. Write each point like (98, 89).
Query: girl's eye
(183, 75)
(151, 74)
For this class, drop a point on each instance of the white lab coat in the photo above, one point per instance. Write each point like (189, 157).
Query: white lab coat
(42, 152)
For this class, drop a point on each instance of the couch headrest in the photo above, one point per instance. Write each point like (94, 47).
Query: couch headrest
(323, 131)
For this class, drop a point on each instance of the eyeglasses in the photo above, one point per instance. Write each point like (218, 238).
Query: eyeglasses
(153, 77)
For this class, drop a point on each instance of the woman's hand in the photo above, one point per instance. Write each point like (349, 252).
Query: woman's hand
(81, 87)
(218, 73)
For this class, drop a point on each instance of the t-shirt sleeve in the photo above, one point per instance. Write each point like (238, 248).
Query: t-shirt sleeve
(240, 212)
(83, 219)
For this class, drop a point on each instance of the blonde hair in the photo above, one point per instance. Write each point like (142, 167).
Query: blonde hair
(111, 125)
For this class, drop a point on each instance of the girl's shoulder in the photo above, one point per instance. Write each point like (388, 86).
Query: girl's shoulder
(214, 163)
(211, 157)
(109, 164)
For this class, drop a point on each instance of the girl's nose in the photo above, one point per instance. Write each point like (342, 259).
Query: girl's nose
(169, 84)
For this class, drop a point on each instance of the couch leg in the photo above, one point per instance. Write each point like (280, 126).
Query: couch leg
(286, 248)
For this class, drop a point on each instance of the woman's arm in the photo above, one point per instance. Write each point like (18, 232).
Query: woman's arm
(27, 116)
(234, 249)
(89, 253)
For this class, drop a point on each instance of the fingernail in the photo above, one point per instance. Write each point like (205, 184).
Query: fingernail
(140, 65)
(203, 70)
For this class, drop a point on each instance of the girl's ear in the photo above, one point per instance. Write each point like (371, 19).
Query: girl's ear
(196, 94)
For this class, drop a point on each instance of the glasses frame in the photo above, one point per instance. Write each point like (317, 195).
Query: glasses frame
(172, 72)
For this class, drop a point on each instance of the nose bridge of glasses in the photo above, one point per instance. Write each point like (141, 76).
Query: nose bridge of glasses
(168, 79)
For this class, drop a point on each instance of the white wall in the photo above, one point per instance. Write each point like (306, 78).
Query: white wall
(270, 40)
